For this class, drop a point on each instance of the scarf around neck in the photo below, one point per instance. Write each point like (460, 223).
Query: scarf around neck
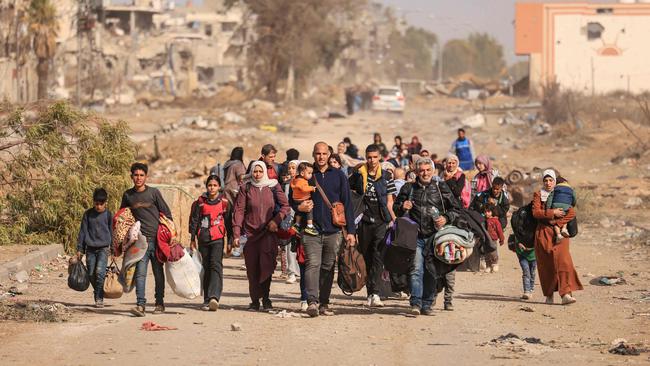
(265, 181)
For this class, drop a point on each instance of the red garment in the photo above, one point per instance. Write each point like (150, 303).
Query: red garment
(554, 262)
(271, 172)
(167, 248)
(494, 229)
(151, 326)
(254, 209)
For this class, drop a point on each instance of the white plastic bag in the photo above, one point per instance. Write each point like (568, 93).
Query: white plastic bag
(198, 261)
(183, 277)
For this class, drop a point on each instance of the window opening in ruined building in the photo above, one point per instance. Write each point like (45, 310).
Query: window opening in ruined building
(594, 31)
(605, 11)
(228, 26)
(208, 30)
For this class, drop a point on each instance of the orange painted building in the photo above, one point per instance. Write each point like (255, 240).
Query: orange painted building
(586, 47)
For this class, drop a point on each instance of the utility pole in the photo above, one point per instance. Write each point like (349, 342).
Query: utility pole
(79, 17)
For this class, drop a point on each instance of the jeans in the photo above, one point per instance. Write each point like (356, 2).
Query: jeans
(303, 289)
(371, 244)
(96, 261)
(212, 256)
(528, 269)
(320, 258)
(141, 275)
(422, 282)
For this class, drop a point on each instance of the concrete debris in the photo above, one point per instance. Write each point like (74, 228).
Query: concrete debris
(37, 311)
(633, 202)
(475, 121)
(611, 281)
(511, 119)
(127, 97)
(233, 117)
(21, 276)
(311, 114)
(513, 343)
(622, 348)
(542, 128)
(259, 104)
(235, 327)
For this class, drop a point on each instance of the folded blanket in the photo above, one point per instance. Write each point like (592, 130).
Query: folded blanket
(132, 256)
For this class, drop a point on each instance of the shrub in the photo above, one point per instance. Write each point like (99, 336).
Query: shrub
(53, 160)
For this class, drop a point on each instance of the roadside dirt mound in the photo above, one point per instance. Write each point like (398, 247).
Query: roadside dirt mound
(34, 311)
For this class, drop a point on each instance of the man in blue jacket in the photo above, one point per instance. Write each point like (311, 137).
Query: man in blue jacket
(463, 148)
(321, 250)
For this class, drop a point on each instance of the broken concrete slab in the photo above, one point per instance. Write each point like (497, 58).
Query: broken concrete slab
(233, 117)
(475, 121)
(29, 261)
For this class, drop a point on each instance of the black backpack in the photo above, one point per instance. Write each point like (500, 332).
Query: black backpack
(401, 242)
(524, 225)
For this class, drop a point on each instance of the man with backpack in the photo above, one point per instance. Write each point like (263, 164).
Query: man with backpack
(432, 205)
(377, 188)
(321, 250)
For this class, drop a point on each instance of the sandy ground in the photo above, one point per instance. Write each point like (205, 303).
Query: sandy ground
(487, 305)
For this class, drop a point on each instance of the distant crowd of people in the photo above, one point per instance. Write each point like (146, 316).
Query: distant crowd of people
(286, 210)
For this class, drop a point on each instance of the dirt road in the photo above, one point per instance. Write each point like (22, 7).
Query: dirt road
(487, 305)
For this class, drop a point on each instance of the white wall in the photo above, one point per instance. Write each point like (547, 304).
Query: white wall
(578, 65)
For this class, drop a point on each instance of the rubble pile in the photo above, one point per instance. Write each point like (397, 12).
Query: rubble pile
(34, 311)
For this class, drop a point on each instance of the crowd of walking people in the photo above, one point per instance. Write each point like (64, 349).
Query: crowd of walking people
(303, 212)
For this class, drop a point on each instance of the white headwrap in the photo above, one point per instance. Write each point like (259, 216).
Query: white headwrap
(265, 181)
(544, 193)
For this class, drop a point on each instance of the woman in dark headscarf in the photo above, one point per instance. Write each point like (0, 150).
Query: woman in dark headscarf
(260, 207)
(415, 146)
(554, 262)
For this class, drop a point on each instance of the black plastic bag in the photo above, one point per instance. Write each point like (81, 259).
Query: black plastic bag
(78, 276)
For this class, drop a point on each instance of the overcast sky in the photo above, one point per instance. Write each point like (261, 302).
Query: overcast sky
(457, 18)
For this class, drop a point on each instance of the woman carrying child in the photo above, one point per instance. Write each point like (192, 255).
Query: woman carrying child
(207, 230)
(554, 262)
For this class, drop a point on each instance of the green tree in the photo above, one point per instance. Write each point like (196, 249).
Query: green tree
(43, 26)
(50, 163)
(411, 54)
(457, 57)
(293, 35)
(488, 57)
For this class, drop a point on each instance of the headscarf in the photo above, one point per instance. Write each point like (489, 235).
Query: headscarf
(543, 192)
(485, 160)
(265, 181)
(448, 175)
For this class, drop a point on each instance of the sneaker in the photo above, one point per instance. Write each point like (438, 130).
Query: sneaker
(303, 305)
(415, 310)
(449, 306)
(291, 279)
(311, 230)
(374, 301)
(138, 311)
(213, 305)
(427, 312)
(488, 269)
(482, 266)
(99, 304)
(254, 306)
(267, 304)
(159, 309)
(205, 306)
(550, 300)
(325, 310)
(525, 296)
(495, 268)
(312, 310)
(567, 299)
(565, 232)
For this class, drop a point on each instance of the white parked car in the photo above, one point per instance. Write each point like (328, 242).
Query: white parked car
(389, 98)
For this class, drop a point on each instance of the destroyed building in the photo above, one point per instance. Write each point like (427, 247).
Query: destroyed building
(593, 48)
(128, 50)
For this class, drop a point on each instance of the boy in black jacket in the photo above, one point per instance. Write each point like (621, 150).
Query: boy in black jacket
(94, 241)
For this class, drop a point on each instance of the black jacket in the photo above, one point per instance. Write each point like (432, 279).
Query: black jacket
(503, 202)
(437, 194)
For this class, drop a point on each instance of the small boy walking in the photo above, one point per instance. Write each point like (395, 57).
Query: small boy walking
(528, 264)
(94, 241)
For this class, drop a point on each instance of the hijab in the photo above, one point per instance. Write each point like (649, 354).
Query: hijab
(265, 181)
(543, 192)
(447, 174)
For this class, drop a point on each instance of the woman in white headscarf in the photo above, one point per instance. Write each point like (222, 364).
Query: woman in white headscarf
(554, 262)
(260, 207)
